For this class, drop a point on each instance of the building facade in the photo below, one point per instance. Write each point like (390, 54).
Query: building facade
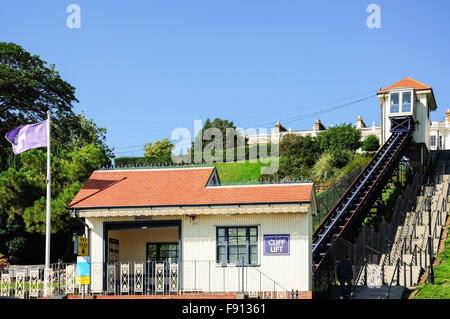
(202, 237)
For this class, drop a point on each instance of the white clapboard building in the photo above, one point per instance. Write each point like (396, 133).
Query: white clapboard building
(185, 232)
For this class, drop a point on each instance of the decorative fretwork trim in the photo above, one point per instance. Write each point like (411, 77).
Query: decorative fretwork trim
(132, 212)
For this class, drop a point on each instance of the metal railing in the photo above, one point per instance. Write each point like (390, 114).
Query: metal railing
(395, 272)
(141, 278)
(327, 199)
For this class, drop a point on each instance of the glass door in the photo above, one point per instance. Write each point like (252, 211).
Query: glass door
(162, 252)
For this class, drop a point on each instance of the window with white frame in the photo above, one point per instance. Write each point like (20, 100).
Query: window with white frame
(406, 101)
(395, 97)
(403, 99)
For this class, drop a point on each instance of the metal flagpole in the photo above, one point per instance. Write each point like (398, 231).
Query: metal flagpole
(48, 215)
(47, 270)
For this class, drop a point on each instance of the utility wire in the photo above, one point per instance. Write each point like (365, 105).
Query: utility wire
(287, 120)
(314, 114)
(315, 105)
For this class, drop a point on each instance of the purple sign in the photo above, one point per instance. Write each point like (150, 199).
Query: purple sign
(276, 244)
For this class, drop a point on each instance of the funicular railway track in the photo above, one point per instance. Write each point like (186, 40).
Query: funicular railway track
(346, 217)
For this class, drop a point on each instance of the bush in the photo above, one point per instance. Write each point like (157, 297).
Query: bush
(357, 160)
(340, 157)
(341, 137)
(292, 167)
(371, 144)
(323, 169)
(297, 155)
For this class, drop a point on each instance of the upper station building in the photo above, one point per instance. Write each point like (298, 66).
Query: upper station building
(407, 104)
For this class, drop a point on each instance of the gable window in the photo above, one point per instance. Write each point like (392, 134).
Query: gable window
(395, 97)
(406, 102)
(237, 244)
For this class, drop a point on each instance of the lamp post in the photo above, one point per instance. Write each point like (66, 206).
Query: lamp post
(429, 194)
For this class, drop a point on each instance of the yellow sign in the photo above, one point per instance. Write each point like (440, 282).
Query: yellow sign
(84, 280)
(83, 245)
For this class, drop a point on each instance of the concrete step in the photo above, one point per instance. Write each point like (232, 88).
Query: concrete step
(364, 292)
(421, 257)
(408, 277)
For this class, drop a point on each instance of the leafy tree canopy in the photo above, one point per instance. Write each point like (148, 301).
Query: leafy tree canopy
(341, 137)
(160, 151)
(297, 155)
(28, 89)
(229, 135)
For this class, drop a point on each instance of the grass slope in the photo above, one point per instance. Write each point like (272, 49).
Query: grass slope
(238, 171)
(441, 287)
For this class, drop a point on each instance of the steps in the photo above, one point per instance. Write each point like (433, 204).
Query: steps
(411, 239)
(364, 292)
(408, 277)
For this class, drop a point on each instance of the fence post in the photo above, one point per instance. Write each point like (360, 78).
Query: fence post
(365, 271)
(389, 254)
(242, 275)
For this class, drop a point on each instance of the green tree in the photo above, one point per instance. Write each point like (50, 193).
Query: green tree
(297, 155)
(340, 142)
(218, 135)
(28, 89)
(341, 137)
(371, 143)
(159, 152)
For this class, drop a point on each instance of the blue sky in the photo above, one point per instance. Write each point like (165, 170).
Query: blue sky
(143, 68)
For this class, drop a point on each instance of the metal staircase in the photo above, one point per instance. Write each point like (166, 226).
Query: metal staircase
(348, 214)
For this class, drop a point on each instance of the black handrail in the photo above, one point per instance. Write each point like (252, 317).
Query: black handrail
(396, 270)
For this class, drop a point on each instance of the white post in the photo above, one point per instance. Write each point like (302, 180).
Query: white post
(48, 214)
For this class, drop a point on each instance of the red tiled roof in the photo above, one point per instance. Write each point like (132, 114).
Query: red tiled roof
(178, 187)
(406, 82)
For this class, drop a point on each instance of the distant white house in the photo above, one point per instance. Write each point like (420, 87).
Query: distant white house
(279, 131)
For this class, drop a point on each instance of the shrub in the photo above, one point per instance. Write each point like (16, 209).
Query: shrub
(323, 169)
(371, 144)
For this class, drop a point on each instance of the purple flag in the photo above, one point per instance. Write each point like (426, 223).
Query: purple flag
(27, 137)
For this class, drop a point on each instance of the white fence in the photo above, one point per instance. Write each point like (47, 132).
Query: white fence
(139, 278)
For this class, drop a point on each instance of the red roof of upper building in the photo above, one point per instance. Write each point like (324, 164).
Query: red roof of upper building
(178, 187)
(416, 85)
(406, 83)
